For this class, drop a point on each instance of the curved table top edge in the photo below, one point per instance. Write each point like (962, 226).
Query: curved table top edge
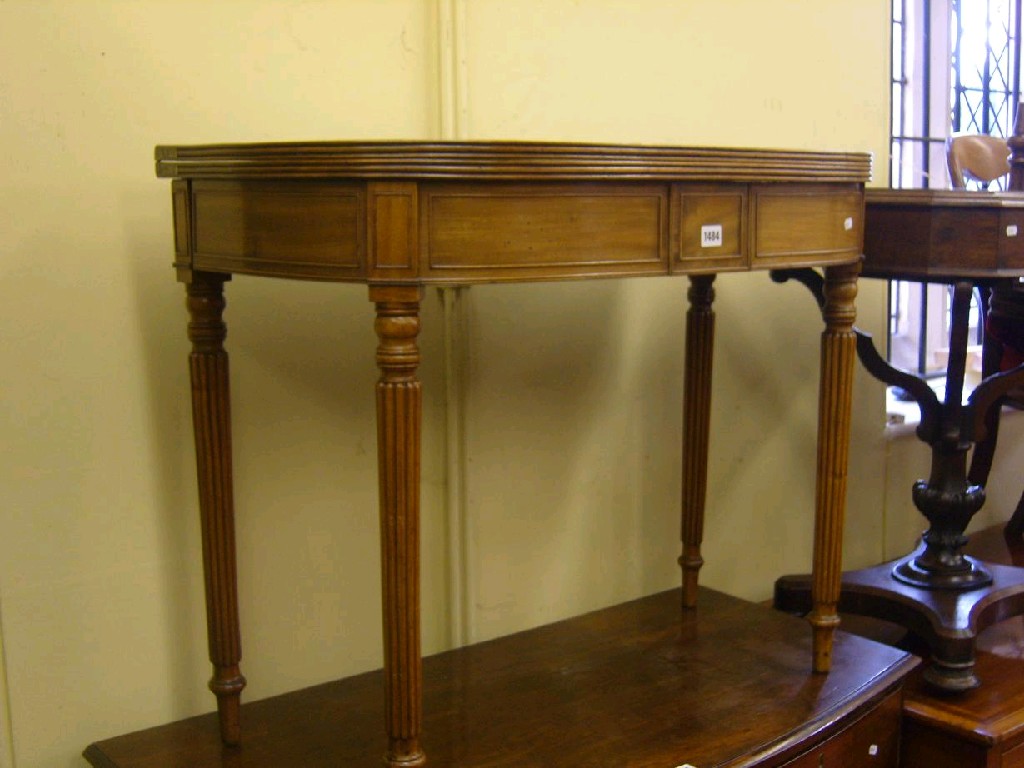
(506, 161)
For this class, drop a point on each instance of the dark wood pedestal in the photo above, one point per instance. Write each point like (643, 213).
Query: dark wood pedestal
(980, 728)
(632, 685)
(940, 593)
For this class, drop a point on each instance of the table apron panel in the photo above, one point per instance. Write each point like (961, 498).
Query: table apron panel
(1010, 237)
(926, 240)
(712, 228)
(289, 229)
(809, 223)
(509, 231)
(478, 232)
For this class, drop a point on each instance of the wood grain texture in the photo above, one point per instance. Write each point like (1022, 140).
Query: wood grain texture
(459, 233)
(311, 230)
(211, 419)
(634, 686)
(399, 404)
(983, 727)
(504, 161)
(700, 339)
(393, 213)
(943, 235)
(838, 354)
(711, 205)
(402, 215)
(548, 231)
(462, 213)
(796, 224)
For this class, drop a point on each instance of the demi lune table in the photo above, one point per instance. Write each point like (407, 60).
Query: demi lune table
(398, 216)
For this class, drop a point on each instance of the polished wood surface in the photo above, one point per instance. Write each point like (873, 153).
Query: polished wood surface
(503, 161)
(211, 419)
(700, 339)
(398, 449)
(938, 592)
(633, 685)
(467, 213)
(397, 216)
(838, 352)
(943, 235)
(982, 728)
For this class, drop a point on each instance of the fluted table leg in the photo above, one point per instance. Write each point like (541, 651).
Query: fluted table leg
(838, 353)
(700, 336)
(398, 452)
(211, 419)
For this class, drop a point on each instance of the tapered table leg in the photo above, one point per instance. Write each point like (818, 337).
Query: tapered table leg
(211, 419)
(838, 354)
(700, 336)
(398, 452)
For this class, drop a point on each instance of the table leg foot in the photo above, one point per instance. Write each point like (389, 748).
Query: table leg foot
(227, 685)
(823, 627)
(951, 677)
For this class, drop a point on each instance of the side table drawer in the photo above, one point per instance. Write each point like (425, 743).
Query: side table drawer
(870, 742)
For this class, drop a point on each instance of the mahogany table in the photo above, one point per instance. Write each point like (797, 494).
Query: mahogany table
(398, 216)
(964, 239)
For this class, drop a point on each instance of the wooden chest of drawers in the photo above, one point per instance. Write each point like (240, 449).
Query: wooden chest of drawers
(870, 741)
(728, 685)
(983, 728)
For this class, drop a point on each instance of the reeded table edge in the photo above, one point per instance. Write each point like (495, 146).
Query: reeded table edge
(511, 161)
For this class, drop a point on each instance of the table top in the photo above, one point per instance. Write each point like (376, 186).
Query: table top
(505, 160)
(940, 235)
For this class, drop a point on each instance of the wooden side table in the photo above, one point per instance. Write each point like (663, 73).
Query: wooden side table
(398, 216)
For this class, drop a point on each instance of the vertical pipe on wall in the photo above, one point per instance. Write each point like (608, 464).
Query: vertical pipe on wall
(451, 95)
(451, 69)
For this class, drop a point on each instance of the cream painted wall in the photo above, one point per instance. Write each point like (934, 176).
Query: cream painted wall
(656, 72)
(569, 393)
(101, 586)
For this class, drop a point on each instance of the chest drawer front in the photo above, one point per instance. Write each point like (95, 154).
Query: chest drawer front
(870, 742)
(1013, 757)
